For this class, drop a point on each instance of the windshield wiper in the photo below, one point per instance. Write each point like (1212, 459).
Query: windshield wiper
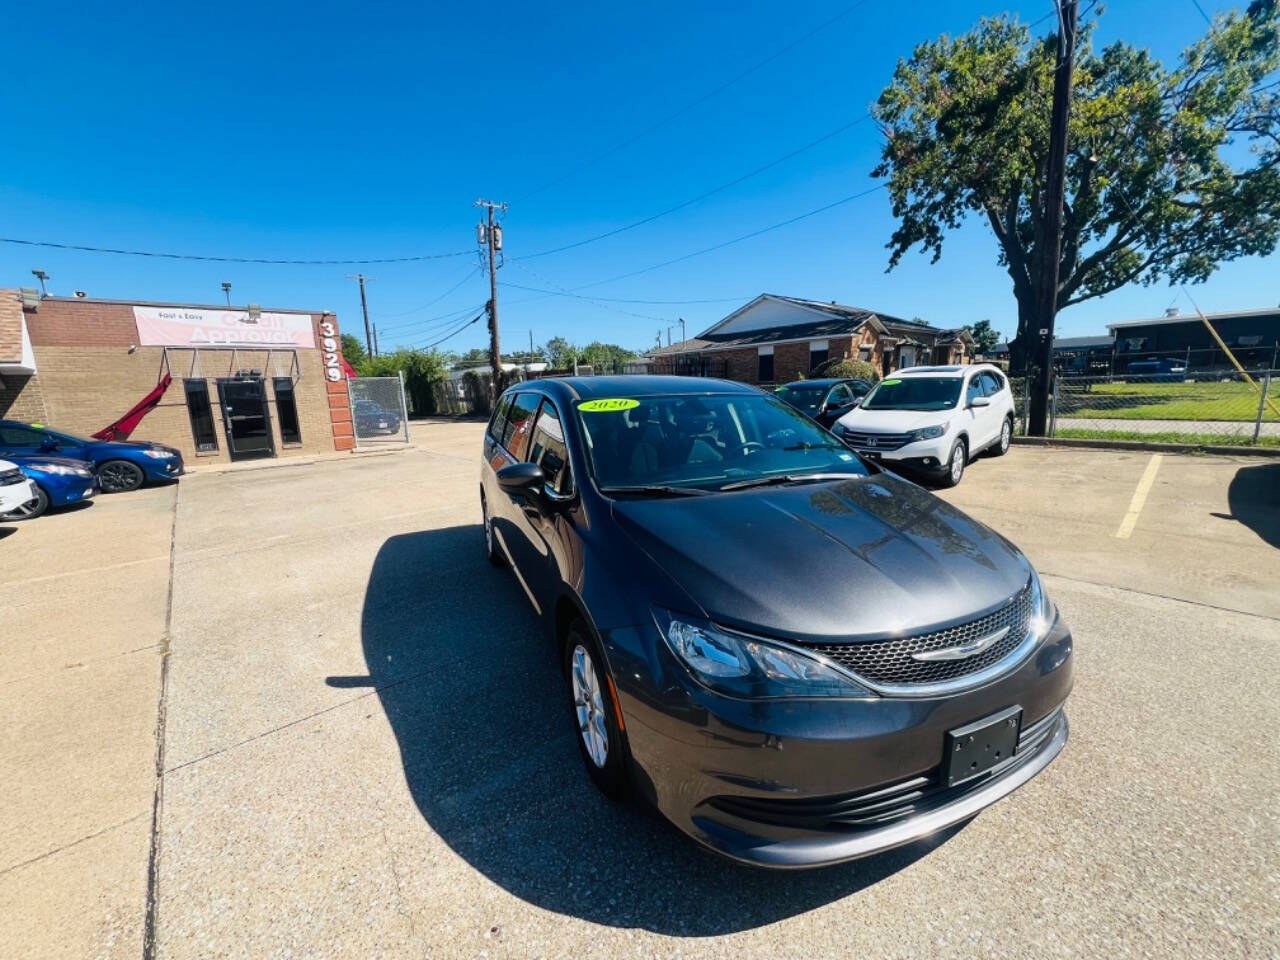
(781, 478)
(657, 490)
(806, 445)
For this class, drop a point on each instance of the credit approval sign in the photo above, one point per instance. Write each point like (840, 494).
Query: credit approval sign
(195, 327)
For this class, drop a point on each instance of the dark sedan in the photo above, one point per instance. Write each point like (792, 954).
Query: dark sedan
(372, 417)
(798, 657)
(824, 400)
(118, 465)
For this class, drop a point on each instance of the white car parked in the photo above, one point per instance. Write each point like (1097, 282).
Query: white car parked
(933, 420)
(15, 488)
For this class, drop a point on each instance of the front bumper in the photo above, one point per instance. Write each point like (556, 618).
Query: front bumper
(804, 783)
(14, 495)
(167, 469)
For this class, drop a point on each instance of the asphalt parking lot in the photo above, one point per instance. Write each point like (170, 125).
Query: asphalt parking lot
(364, 753)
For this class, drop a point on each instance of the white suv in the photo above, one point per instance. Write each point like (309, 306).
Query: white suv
(15, 488)
(932, 419)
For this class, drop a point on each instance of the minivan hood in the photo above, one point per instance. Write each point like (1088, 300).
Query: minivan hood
(864, 557)
(894, 421)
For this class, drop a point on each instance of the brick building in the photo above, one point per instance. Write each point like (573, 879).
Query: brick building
(246, 382)
(776, 339)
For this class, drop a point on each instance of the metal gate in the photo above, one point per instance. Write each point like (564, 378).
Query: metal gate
(379, 414)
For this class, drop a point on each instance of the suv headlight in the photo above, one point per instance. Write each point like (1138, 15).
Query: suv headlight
(749, 667)
(929, 433)
(158, 454)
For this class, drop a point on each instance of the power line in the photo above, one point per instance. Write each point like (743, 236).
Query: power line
(430, 303)
(692, 104)
(213, 259)
(702, 196)
(1207, 18)
(562, 293)
(599, 303)
(450, 335)
(745, 236)
(442, 320)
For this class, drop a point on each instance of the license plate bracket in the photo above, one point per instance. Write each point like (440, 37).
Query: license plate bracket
(975, 748)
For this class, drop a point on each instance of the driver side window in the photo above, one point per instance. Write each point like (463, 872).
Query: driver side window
(548, 449)
(839, 396)
(20, 438)
(974, 389)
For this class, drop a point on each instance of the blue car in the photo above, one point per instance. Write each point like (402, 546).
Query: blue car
(58, 481)
(118, 465)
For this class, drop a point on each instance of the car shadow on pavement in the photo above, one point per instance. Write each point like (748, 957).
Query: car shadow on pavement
(1254, 498)
(470, 685)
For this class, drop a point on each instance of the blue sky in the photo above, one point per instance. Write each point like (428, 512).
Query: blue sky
(298, 131)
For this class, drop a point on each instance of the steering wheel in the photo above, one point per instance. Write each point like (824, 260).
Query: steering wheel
(751, 446)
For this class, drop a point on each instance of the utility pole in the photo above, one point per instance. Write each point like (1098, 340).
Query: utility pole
(659, 341)
(531, 346)
(375, 339)
(364, 305)
(668, 335)
(1051, 224)
(683, 338)
(492, 238)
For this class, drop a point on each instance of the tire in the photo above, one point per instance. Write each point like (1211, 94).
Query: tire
(491, 551)
(594, 712)
(31, 509)
(956, 463)
(119, 476)
(1001, 446)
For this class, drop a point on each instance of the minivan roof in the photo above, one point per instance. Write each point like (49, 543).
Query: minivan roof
(638, 385)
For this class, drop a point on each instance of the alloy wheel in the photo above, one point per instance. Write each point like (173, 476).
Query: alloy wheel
(957, 463)
(589, 706)
(1006, 432)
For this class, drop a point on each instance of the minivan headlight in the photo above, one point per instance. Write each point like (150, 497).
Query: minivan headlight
(929, 433)
(1042, 612)
(749, 667)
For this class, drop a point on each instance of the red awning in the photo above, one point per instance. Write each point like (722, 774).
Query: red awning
(121, 429)
(348, 369)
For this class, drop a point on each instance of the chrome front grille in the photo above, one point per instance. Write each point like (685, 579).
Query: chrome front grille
(890, 662)
(9, 477)
(875, 441)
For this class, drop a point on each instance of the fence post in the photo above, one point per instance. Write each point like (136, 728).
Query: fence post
(1262, 405)
(404, 407)
(1053, 410)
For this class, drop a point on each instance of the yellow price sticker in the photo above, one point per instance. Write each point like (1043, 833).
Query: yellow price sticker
(612, 405)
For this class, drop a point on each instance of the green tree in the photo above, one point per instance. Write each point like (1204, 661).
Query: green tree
(605, 357)
(1160, 185)
(353, 350)
(850, 367)
(985, 336)
(560, 353)
(421, 369)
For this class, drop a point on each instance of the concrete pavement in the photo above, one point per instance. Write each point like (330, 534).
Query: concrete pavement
(365, 753)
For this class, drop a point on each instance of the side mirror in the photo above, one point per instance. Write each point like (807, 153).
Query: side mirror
(980, 402)
(520, 478)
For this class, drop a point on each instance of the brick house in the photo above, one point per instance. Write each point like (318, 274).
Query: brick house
(78, 364)
(776, 339)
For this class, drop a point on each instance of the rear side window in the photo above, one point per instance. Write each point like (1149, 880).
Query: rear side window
(499, 418)
(515, 433)
(549, 451)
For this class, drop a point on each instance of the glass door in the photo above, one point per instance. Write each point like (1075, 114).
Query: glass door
(246, 418)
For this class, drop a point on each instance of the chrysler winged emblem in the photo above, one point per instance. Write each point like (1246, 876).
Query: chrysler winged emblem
(962, 650)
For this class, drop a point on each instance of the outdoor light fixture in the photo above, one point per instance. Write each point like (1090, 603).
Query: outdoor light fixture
(80, 294)
(133, 348)
(226, 288)
(42, 277)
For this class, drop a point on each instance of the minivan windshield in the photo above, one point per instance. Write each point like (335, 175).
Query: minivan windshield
(914, 393)
(698, 441)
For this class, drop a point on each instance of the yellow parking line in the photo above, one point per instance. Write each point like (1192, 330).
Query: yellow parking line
(1139, 497)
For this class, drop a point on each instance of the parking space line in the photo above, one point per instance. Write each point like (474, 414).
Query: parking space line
(1139, 497)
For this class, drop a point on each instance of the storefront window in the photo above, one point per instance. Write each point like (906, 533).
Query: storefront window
(201, 414)
(287, 410)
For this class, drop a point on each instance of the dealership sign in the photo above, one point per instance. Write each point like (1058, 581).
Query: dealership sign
(187, 327)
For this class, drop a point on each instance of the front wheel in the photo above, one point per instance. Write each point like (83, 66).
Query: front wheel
(595, 713)
(31, 509)
(956, 463)
(119, 476)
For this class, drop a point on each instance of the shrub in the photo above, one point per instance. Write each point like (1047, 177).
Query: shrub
(849, 367)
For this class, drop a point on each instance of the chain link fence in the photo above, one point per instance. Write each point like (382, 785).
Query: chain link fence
(379, 414)
(1206, 407)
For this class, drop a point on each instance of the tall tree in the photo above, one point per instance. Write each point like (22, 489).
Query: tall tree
(560, 353)
(1171, 171)
(353, 350)
(985, 336)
